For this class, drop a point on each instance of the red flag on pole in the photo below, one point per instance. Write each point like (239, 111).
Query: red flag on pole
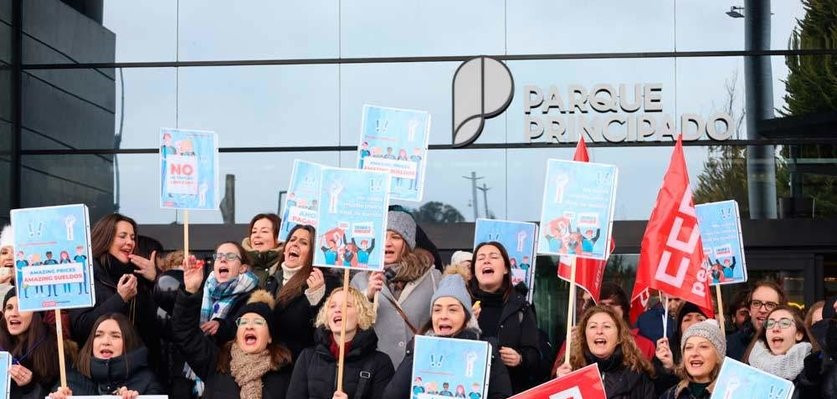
(589, 272)
(671, 254)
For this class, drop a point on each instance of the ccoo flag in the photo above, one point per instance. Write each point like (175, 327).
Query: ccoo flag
(671, 254)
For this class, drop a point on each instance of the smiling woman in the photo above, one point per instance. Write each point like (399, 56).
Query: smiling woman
(703, 347)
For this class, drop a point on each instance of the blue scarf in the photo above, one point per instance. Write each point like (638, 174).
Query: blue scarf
(217, 298)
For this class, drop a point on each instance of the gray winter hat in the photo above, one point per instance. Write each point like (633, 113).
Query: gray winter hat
(710, 330)
(403, 224)
(453, 285)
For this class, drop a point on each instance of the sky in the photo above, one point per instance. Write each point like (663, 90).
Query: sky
(317, 105)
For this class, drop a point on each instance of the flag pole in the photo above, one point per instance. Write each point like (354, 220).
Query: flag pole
(665, 318)
(720, 309)
(570, 311)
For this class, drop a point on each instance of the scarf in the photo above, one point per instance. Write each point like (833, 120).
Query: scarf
(608, 364)
(218, 297)
(334, 347)
(787, 366)
(247, 369)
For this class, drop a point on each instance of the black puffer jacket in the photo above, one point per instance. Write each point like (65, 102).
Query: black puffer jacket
(621, 382)
(141, 310)
(682, 391)
(516, 329)
(295, 319)
(315, 372)
(108, 375)
(202, 354)
(499, 385)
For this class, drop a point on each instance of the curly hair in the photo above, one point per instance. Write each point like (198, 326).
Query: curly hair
(632, 357)
(365, 311)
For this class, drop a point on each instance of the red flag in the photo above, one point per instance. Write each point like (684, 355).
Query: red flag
(671, 255)
(588, 272)
(639, 301)
(584, 383)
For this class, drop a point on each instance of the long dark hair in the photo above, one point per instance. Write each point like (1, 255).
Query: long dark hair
(293, 288)
(130, 342)
(506, 287)
(37, 345)
(104, 232)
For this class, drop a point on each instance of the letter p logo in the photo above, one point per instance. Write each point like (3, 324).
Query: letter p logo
(482, 89)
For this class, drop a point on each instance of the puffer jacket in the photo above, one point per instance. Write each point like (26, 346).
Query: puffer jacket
(682, 391)
(365, 375)
(263, 263)
(108, 375)
(620, 382)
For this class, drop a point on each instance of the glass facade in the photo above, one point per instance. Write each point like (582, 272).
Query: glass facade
(284, 80)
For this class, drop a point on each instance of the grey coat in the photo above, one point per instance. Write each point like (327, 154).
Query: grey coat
(393, 333)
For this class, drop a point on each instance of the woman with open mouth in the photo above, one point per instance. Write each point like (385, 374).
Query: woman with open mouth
(32, 344)
(253, 365)
(402, 292)
(123, 283)
(781, 346)
(667, 357)
(315, 371)
(263, 246)
(505, 314)
(703, 347)
(7, 260)
(113, 361)
(451, 316)
(603, 338)
(299, 289)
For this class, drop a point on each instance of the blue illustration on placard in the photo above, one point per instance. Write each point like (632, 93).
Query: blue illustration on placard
(5, 375)
(302, 200)
(395, 141)
(723, 245)
(577, 209)
(738, 380)
(52, 252)
(518, 238)
(188, 169)
(448, 367)
(352, 210)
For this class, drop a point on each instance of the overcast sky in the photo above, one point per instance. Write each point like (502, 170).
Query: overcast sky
(313, 105)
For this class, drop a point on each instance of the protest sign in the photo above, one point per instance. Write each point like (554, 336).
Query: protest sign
(301, 203)
(450, 367)
(52, 257)
(395, 141)
(671, 255)
(740, 381)
(188, 169)
(584, 383)
(5, 376)
(352, 210)
(518, 238)
(577, 209)
(723, 245)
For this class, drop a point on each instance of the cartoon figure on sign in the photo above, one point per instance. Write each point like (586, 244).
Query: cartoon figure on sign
(21, 261)
(573, 244)
(334, 196)
(417, 387)
(430, 387)
(475, 391)
(521, 240)
(470, 360)
(557, 232)
(64, 257)
(49, 260)
(416, 157)
(389, 154)
(330, 251)
(588, 239)
(446, 390)
(525, 264)
(513, 263)
(560, 184)
(185, 148)
(364, 152)
(460, 391)
(364, 250)
(69, 221)
(728, 266)
(82, 258)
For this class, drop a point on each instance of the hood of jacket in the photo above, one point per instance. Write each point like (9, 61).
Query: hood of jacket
(111, 374)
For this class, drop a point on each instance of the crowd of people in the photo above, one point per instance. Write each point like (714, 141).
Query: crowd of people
(260, 321)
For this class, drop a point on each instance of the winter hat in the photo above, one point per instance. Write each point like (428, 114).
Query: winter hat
(686, 308)
(710, 330)
(261, 303)
(460, 256)
(9, 295)
(6, 239)
(453, 285)
(403, 224)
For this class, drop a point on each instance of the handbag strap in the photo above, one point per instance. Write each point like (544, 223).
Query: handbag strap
(401, 312)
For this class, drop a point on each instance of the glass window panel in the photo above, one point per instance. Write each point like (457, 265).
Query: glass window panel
(421, 86)
(262, 106)
(258, 29)
(707, 87)
(146, 101)
(56, 33)
(381, 28)
(565, 26)
(145, 30)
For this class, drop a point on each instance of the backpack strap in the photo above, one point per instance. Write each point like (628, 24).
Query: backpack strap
(364, 377)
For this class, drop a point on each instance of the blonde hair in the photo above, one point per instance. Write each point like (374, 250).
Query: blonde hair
(680, 369)
(632, 358)
(365, 312)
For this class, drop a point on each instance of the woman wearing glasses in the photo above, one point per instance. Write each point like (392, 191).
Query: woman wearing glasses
(253, 365)
(782, 345)
(765, 296)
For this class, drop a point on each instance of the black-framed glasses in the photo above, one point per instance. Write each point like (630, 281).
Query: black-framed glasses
(783, 323)
(256, 321)
(755, 303)
(230, 256)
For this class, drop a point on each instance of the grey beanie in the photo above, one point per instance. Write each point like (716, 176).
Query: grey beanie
(453, 285)
(710, 330)
(403, 224)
